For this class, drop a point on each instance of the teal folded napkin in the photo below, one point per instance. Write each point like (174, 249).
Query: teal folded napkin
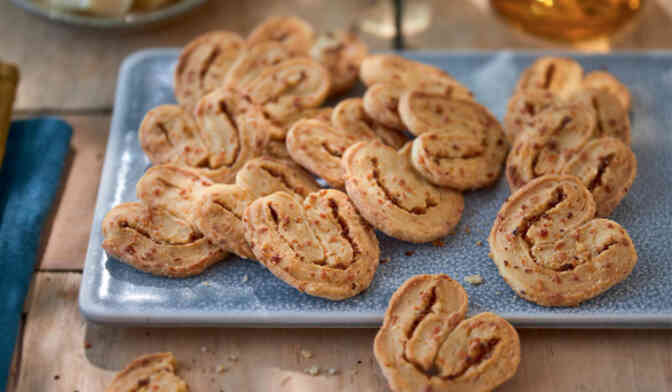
(29, 180)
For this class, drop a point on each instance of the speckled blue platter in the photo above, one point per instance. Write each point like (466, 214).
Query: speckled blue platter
(238, 292)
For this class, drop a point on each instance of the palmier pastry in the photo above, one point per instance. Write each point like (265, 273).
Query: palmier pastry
(341, 53)
(560, 76)
(294, 33)
(148, 373)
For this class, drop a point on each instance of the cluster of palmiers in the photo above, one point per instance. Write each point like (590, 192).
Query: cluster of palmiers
(236, 163)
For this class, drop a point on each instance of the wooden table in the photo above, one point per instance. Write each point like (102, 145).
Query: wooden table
(71, 72)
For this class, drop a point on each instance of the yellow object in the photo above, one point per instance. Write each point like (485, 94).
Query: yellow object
(9, 78)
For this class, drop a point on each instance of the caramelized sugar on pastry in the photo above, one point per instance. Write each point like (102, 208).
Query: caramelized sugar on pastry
(426, 344)
(550, 248)
(254, 60)
(234, 131)
(341, 53)
(155, 241)
(289, 87)
(321, 247)
(219, 209)
(169, 134)
(153, 372)
(459, 144)
(394, 198)
(603, 80)
(560, 76)
(294, 33)
(607, 167)
(203, 65)
(350, 115)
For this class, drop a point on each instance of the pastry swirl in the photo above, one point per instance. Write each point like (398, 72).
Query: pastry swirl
(321, 247)
(294, 33)
(152, 372)
(550, 248)
(426, 344)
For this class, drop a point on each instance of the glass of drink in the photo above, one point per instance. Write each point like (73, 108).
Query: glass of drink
(568, 20)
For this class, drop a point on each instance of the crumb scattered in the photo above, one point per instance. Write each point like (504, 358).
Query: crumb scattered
(57, 377)
(306, 354)
(410, 253)
(204, 349)
(359, 362)
(245, 278)
(474, 279)
(385, 260)
(313, 371)
(206, 283)
(222, 369)
(332, 371)
(490, 255)
(87, 345)
(479, 243)
(467, 229)
(438, 243)
(233, 357)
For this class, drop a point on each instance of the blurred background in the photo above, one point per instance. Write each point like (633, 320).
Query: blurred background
(72, 67)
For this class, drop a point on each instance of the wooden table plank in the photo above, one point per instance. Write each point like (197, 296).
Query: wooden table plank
(65, 67)
(471, 24)
(66, 234)
(553, 360)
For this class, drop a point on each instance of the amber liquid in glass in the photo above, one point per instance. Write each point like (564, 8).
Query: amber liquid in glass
(568, 20)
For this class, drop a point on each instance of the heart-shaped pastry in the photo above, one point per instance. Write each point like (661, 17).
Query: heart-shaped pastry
(611, 118)
(459, 145)
(203, 65)
(294, 33)
(234, 131)
(253, 60)
(287, 88)
(390, 68)
(603, 80)
(560, 76)
(341, 53)
(152, 372)
(550, 248)
(155, 241)
(321, 247)
(426, 344)
(607, 167)
(219, 209)
(394, 198)
(381, 103)
(169, 134)
(350, 116)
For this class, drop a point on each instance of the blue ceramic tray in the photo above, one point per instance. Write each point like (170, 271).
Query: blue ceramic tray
(238, 292)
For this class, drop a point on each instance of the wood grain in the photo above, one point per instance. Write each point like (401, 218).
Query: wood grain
(66, 67)
(270, 359)
(66, 234)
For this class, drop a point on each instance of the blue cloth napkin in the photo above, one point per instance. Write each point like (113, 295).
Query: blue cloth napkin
(29, 180)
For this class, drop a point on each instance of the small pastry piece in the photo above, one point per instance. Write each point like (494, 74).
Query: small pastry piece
(321, 247)
(153, 372)
(550, 248)
(169, 134)
(459, 145)
(294, 33)
(203, 65)
(523, 108)
(560, 76)
(253, 61)
(289, 87)
(349, 115)
(426, 344)
(155, 241)
(546, 147)
(234, 131)
(607, 167)
(341, 53)
(611, 118)
(394, 198)
(219, 209)
(381, 103)
(603, 80)
(389, 68)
